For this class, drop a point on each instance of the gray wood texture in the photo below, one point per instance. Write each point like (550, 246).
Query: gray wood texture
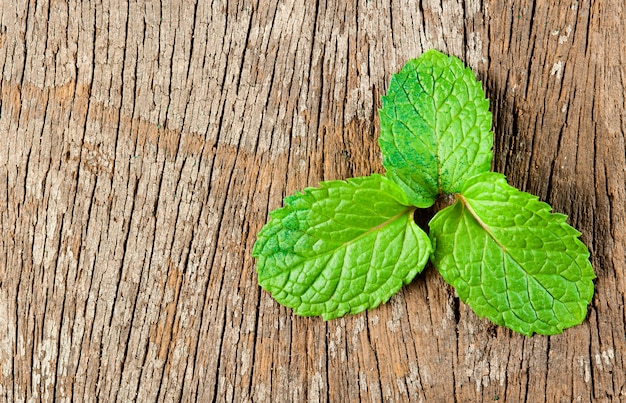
(143, 143)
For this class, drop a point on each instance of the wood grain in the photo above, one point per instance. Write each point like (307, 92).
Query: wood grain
(143, 144)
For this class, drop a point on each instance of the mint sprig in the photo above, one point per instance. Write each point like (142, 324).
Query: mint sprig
(350, 245)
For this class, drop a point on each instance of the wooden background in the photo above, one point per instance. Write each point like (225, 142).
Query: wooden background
(142, 145)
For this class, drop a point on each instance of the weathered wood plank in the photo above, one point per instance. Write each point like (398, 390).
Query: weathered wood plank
(143, 145)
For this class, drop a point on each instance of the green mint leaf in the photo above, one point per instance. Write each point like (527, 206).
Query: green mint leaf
(341, 248)
(435, 127)
(512, 260)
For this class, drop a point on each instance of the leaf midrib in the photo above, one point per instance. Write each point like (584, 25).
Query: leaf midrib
(406, 211)
(344, 245)
(486, 228)
(482, 224)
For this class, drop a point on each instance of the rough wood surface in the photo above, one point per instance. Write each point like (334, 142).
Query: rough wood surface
(142, 145)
